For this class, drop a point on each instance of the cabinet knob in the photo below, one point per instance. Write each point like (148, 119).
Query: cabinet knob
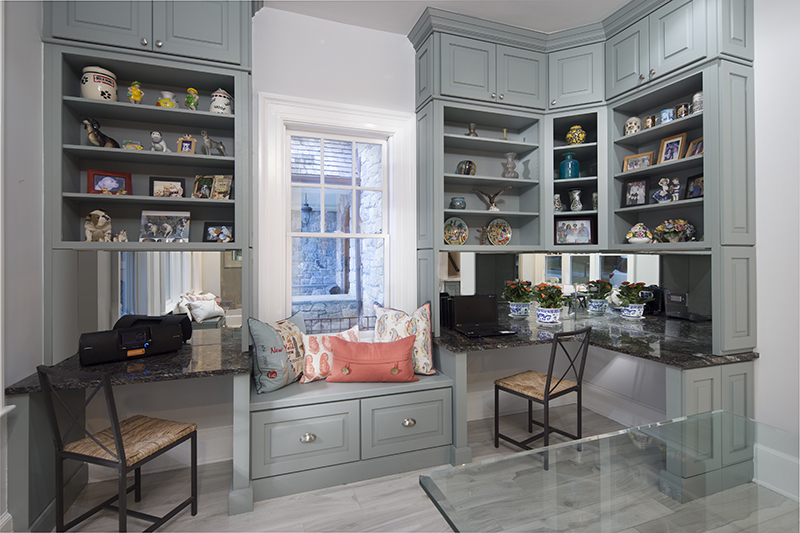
(553, 102)
(144, 41)
(502, 96)
(652, 72)
(494, 95)
(641, 77)
(308, 437)
(159, 43)
(408, 422)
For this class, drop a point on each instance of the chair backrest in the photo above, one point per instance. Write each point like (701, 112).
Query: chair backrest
(575, 359)
(55, 405)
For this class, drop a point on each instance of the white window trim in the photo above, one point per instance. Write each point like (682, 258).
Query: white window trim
(276, 115)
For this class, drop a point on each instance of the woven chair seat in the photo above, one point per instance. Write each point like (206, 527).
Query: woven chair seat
(142, 436)
(532, 384)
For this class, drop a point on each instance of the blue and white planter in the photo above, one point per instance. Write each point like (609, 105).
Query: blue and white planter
(548, 316)
(633, 311)
(598, 306)
(520, 309)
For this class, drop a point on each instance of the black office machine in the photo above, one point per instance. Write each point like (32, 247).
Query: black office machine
(135, 336)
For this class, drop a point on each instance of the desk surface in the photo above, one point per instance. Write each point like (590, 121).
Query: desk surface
(690, 474)
(673, 342)
(210, 352)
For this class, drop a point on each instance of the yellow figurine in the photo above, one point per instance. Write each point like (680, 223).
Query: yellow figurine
(135, 93)
(191, 99)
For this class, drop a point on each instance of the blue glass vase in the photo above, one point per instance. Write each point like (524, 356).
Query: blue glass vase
(570, 168)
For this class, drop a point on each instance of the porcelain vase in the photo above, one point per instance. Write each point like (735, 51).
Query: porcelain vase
(633, 311)
(576, 135)
(520, 309)
(458, 202)
(575, 200)
(510, 165)
(545, 315)
(557, 205)
(598, 306)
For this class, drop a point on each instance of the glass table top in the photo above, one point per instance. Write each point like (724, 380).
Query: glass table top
(708, 472)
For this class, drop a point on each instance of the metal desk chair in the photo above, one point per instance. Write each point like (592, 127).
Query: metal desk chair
(541, 388)
(124, 446)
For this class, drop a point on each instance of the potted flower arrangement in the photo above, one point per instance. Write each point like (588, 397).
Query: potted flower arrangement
(598, 292)
(639, 234)
(550, 299)
(674, 230)
(518, 294)
(632, 297)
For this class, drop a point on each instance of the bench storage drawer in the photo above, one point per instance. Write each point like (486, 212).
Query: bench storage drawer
(302, 438)
(405, 422)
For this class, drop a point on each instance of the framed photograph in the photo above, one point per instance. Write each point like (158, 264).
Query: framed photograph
(635, 162)
(105, 182)
(695, 147)
(203, 186)
(164, 226)
(576, 230)
(218, 232)
(634, 192)
(694, 187)
(186, 144)
(671, 148)
(221, 190)
(167, 187)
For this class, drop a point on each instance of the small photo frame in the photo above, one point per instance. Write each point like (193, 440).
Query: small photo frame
(203, 186)
(634, 192)
(671, 148)
(635, 162)
(164, 226)
(186, 144)
(221, 190)
(694, 187)
(575, 231)
(218, 232)
(695, 148)
(105, 182)
(167, 187)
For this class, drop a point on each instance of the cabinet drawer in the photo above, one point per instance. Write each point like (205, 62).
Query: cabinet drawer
(275, 438)
(405, 422)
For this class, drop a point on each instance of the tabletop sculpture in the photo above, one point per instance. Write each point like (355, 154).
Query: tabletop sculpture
(490, 198)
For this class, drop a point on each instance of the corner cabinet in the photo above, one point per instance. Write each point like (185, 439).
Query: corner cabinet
(576, 76)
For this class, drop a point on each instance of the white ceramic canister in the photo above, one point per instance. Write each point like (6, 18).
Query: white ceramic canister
(697, 102)
(633, 125)
(221, 102)
(99, 84)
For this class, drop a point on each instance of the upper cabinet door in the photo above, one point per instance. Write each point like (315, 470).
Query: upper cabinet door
(576, 76)
(627, 59)
(207, 29)
(124, 23)
(521, 77)
(468, 68)
(677, 35)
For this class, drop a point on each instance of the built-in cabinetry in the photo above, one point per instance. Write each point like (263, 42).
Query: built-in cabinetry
(576, 76)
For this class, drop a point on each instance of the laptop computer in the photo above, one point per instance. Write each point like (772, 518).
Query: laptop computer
(476, 316)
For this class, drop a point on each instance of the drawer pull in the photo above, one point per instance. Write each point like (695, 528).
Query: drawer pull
(308, 437)
(408, 422)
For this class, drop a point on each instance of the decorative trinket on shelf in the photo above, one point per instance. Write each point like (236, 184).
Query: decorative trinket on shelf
(633, 125)
(639, 234)
(191, 100)
(99, 84)
(697, 102)
(132, 145)
(662, 195)
(157, 142)
(576, 135)
(594, 200)
(569, 167)
(675, 189)
(455, 231)
(484, 234)
(122, 236)
(505, 134)
(509, 166)
(97, 137)
(682, 110)
(186, 144)
(135, 93)
(221, 102)
(498, 232)
(472, 132)
(97, 226)
(667, 115)
(490, 198)
(458, 202)
(575, 200)
(558, 207)
(649, 122)
(466, 168)
(167, 100)
(210, 144)
(674, 230)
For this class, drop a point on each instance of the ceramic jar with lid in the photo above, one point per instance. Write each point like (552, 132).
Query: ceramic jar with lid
(99, 84)
(576, 135)
(633, 125)
(221, 102)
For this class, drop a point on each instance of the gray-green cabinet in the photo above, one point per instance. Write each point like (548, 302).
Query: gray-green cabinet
(576, 76)
(207, 29)
(699, 390)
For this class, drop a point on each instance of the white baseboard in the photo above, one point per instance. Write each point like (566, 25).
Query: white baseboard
(6, 523)
(622, 409)
(777, 471)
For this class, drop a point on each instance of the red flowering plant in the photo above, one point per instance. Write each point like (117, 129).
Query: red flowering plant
(548, 296)
(598, 289)
(631, 293)
(517, 291)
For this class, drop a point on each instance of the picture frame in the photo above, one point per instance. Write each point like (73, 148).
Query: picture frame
(106, 182)
(164, 226)
(203, 186)
(575, 231)
(671, 148)
(167, 187)
(186, 144)
(635, 192)
(222, 187)
(637, 161)
(694, 187)
(221, 232)
(695, 148)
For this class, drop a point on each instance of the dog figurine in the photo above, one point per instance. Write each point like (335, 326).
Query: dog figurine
(122, 236)
(151, 229)
(98, 226)
(210, 144)
(158, 142)
(97, 137)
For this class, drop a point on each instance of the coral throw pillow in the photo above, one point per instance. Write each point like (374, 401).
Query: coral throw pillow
(393, 324)
(372, 362)
(319, 351)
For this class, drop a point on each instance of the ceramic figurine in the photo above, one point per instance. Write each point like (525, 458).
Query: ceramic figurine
(576, 135)
(132, 145)
(122, 236)
(594, 201)
(135, 93)
(210, 144)
(466, 168)
(167, 100)
(97, 226)
(510, 165)
(192, 100)
(221, 102)
(99, 84)
(575, 200)
(557, 205)
(96, 137)
(675, 189)
(158, 144)
(491, 197)
(471, 132)
(662, 195)
(484, 235)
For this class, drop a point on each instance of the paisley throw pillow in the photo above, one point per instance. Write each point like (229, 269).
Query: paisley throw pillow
(319, 353)
(392, 325)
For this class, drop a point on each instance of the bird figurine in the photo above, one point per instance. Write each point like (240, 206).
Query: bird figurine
(491, 197)
(135, 93)
(191, 100)
(96, 137)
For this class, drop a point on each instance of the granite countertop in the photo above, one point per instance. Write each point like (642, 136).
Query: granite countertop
(670, 341)
(210, 352)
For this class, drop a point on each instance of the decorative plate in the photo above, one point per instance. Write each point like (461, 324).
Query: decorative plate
(455, 231)
(499, 232)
